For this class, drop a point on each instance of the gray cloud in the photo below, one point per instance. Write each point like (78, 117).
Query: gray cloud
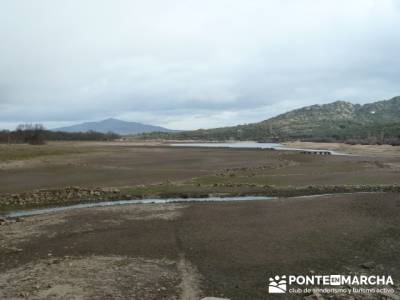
(191, 64)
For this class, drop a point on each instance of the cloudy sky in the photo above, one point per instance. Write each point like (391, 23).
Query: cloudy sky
(188, 64)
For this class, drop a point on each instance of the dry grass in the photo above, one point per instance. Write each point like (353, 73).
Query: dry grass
(15, 152)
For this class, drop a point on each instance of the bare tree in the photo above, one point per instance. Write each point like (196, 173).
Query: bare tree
(31, 133)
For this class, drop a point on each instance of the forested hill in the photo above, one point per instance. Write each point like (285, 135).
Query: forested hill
(339, 120)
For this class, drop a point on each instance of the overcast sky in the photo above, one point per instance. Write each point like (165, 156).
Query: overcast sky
(187, 64)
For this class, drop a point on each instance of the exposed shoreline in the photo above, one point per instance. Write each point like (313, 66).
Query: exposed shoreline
(78, 195)
(328, 215)
(365, 150)
(225, 250)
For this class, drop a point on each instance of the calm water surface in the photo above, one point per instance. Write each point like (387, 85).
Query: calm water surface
(251, 145)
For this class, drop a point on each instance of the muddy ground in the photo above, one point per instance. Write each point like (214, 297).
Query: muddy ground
(194, 250)
(58, 165)
(189, 251)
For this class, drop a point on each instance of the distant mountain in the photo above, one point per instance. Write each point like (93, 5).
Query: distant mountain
(115, 126)
(338, 120)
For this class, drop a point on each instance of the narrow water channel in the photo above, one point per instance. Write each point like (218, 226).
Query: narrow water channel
(40, 211)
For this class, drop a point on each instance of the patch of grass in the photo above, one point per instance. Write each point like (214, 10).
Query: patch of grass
(122, 262)
(328, 172)
(167, 189)
(14, 152)
(191, 190)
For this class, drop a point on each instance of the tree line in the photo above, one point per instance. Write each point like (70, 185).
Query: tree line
(37, 134)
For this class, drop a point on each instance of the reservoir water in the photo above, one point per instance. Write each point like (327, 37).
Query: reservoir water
(252, 145)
